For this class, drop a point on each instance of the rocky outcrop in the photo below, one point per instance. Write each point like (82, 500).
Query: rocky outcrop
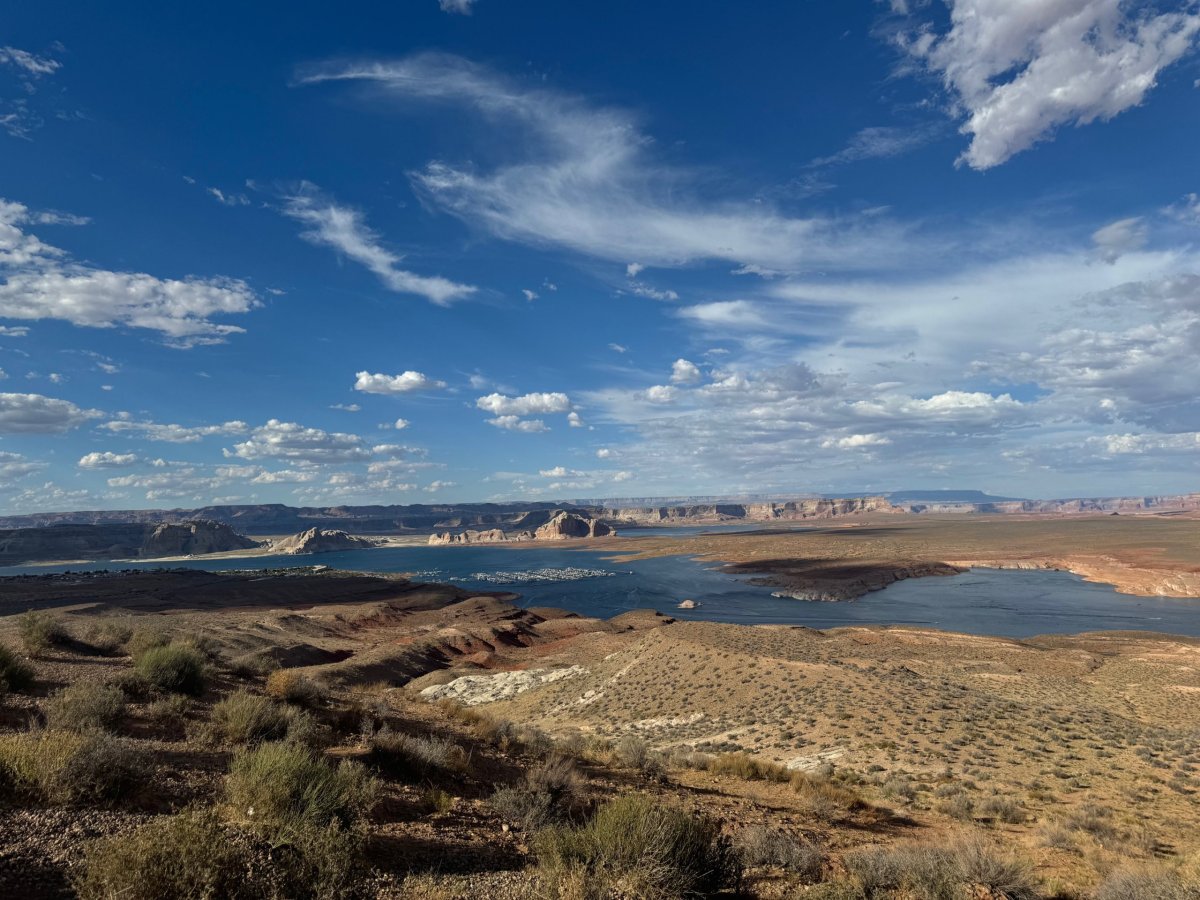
(320, 540)
(119, 541)
(782, 511)
(563, 525)
(566, 525)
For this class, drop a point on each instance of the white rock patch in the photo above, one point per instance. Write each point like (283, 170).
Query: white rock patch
(472, 690)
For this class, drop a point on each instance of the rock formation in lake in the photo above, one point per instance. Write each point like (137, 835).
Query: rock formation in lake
(563, 525)
(118, 541)
(320, 540)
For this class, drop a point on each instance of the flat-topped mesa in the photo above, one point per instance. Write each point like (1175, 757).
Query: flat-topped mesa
(321, 540)
(789, 510)
(562, 526)
(126, 540)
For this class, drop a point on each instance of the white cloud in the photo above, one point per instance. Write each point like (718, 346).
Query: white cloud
(346, 407)
(589, 181)
(107, 460)
(36, 414)
(404, 383)
(401, 424)
(18, 331)
(1019, 70)
(618, 348)
(633, 269)
(525, 405)
(435, 486)
(29, 63)
(684, 372)
(605, 453)
(14, 466)
(560, 472)
(516, 423)
(645, 290)
(662, 393)
(530, 295)
(462, 7)
(1186, 210)
(171, 433)
(1118, 238)
(575, 420)
(293, 442)
(856, 441)
(228, 199)
(343, 229)
(41, 283)
(724, 314)
(878, 142)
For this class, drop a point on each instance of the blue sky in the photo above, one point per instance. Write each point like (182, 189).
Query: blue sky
(479, 249)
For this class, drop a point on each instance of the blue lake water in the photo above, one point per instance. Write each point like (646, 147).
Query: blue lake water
(983, 601)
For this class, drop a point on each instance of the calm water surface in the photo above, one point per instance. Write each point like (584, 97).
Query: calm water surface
(984, 601)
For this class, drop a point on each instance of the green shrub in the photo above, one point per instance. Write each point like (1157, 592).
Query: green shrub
(519, 805)
(40, 631)
(413, 757)
(244, 718)
(107, 637)
(189, 855)
(86, 705)
(15, 673)
(284, 786)
(173, 667)
(69, 768)
(647, 848)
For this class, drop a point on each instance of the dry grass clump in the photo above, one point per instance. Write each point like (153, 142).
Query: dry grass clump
(86, 705)
(763, 847)
(15, 673)
(245, 718)
(414, 757)
(187, 855)
(143, 639)
(743, 765)
(175, 667)
(40, 631)
(553, 791)
(107, 637)
(64, 767)
(1149, 883)
(285, 787)
(939, 872)
(638, 847)
(295, 687)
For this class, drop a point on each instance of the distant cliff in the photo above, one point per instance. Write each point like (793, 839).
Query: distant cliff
(783, 511)
(562, 525)
(118, 541)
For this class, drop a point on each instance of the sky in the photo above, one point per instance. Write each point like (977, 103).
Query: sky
(451, 250)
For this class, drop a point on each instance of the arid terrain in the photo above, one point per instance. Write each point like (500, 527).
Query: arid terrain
(1147, 555)
(291, 733)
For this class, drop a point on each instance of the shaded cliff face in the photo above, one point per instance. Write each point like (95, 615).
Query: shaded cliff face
(124, 541)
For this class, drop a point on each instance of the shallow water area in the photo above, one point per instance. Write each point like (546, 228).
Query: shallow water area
(1011, 603)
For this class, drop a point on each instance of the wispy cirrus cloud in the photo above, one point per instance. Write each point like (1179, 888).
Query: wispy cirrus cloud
(343, 228)
(586, 179)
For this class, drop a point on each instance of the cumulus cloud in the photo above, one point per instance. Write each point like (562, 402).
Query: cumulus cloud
(1019, 70)
(107, 460)
(40, 282)
(404, 383)
(343, 228)
(435, 486)
(661, 393)
(684, 372)
(589, 181)
(14, 467)
(525, 405)
(173, 433)
(516, 423)
(297, 443)
(400, 424)
(37, 414)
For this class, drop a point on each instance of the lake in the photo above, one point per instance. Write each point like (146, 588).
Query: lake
(1012, 603)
